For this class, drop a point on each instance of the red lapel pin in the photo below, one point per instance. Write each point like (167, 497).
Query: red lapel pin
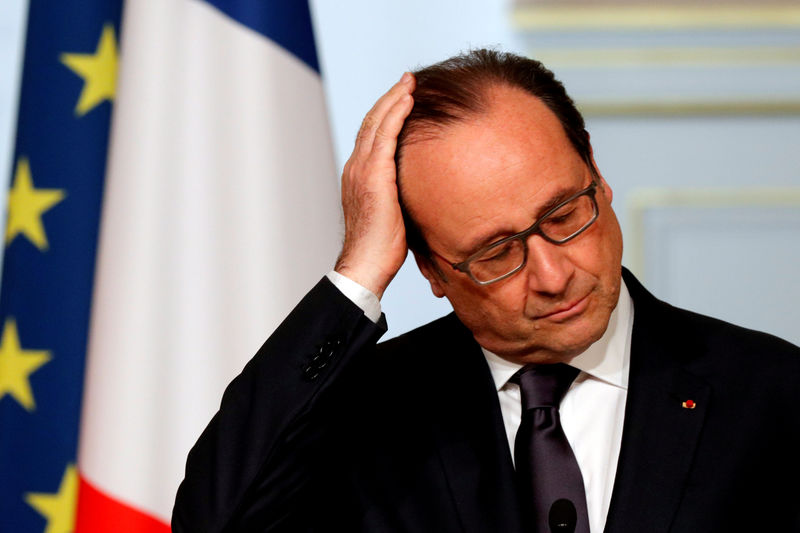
(689, 404)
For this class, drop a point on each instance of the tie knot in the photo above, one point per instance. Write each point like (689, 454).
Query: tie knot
(544, 385)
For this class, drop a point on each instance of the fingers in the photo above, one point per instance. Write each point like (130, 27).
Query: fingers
(385, 106)
(385, 138)
(374, 245)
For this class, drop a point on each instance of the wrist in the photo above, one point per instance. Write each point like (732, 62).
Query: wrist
(368, 275)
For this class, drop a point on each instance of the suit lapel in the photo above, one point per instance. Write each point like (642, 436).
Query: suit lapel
(468, 427)
(658, 443)
(660, 433)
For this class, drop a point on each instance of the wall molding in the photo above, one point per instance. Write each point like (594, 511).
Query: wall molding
(527, 16)
(640, 201)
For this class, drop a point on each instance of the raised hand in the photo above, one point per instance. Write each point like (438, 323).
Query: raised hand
(375, 240)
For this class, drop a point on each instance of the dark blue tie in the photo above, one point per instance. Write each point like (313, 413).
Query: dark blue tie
(546, 467)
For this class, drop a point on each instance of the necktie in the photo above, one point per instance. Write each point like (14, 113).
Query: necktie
(546, 467)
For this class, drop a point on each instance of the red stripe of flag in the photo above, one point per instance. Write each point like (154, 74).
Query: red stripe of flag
(99, 512)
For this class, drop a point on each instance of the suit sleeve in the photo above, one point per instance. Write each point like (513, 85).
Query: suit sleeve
(253, 464)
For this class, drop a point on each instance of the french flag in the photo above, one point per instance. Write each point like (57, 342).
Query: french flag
(220, 210)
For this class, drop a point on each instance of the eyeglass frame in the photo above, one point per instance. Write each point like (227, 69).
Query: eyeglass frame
(463, 266)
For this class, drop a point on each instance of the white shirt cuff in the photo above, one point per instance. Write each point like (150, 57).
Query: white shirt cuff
(359, 295)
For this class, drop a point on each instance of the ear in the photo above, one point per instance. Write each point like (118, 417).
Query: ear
(604, 186)
(432, 273)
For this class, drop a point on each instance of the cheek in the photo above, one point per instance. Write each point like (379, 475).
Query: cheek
(600, 253)
(507, 299)
(490, 306)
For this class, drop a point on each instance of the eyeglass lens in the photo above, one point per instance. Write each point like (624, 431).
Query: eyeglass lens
(558, 227)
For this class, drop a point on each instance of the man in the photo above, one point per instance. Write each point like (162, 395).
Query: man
(676, 422)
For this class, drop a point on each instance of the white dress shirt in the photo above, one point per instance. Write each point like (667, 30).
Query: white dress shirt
(592, 411)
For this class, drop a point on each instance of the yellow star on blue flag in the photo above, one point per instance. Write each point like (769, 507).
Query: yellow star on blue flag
(58, 508)
(98, 70)
(26, 205)
(16, 366)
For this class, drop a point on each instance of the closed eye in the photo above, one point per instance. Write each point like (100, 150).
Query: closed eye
(497, 253)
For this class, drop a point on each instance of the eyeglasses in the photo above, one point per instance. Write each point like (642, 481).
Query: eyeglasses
(559, 225)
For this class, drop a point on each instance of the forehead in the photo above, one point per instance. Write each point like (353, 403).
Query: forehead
(489, 174)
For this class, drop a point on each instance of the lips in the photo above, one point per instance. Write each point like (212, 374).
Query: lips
(567, 311)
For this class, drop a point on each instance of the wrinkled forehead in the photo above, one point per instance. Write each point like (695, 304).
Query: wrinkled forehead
(478, 169)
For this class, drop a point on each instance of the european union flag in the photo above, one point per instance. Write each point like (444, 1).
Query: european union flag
(68, 84)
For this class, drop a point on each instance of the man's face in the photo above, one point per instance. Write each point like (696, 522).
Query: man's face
(492, 176)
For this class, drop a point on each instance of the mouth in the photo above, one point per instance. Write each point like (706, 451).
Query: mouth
(567, 311)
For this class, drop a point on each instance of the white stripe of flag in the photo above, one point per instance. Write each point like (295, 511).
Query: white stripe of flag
(220, 211)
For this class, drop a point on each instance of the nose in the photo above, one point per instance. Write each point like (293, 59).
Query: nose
(548, 267)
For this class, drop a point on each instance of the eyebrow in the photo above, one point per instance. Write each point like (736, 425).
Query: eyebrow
(500, 234)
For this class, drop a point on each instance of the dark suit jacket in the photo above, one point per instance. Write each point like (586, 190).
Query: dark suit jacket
(324, 431)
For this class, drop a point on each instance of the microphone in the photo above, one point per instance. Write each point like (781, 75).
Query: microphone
(563, 517)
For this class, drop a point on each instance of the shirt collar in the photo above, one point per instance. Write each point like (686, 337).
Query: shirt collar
(608, 359)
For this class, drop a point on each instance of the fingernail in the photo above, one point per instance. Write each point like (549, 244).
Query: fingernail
(406, 77)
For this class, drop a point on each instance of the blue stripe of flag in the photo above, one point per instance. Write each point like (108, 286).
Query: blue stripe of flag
(286, 22)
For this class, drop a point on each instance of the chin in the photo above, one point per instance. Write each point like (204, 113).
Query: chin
(584, 336)
(561, 344)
